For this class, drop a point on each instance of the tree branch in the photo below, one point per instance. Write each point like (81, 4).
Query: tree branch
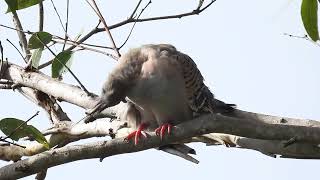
(196, 127)
(21, 35)
(41, 16)
(106, 28)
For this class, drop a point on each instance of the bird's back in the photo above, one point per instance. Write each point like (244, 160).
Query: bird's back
(199, 97)
(169, 84)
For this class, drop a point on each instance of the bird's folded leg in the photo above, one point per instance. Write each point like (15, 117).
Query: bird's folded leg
(136, 134)
(160, 131)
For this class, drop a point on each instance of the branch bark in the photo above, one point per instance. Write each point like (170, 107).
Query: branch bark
(186, 130)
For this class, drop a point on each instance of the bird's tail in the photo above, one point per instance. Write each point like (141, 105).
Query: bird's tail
(222, 107)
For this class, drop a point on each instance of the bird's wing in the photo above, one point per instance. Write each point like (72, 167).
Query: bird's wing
(200, 98)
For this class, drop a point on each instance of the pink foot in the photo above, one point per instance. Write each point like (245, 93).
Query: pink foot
(162, 129)
(136, 134)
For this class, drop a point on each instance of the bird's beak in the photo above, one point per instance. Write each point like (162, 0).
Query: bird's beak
(92, 113)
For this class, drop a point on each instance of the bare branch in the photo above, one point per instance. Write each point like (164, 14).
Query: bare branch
(1, 60)
(76, 43)
(46, 84)
(16, 49)
(66, 32)
(15, 29)
(21, 35)
(41, 16)
(57, 13)
(41, 19)
(135, 10)
(82, 48)
(134, 24)
(196, 127)
(303, 37)
(106, 28)
(132, 20)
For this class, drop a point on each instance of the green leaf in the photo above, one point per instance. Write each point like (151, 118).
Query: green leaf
(36, 56)
(14, 5)
(9, 125)
(38, 39)
(37, 135)
(309, 10)
(59, 62)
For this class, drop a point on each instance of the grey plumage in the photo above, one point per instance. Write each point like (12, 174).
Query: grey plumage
(163, 83)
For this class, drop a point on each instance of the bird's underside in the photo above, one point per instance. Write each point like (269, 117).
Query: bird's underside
(164, 85)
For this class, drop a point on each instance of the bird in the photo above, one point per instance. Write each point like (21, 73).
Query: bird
(164, 85)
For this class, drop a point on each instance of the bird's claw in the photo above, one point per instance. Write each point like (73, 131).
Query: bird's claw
(137, 134)
(160, 131)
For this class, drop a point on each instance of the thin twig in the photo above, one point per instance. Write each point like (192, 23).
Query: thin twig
(76, 43)
(134, 25)
(13, 143)
(41, 16)
(16, 49)
(22, 36)
(55, 9)
(17, 128)
(305, 37)
(66, 32)
(74, 46)
(41, 19)
(128, 21)
(74, 76)
(1, 60)
(296, 36)
(194, 12)
(135, 9)
(41, 66)
(15, 29)
(96, 9)
(85, 48)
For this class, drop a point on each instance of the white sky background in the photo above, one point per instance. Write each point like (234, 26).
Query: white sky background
(241, 51)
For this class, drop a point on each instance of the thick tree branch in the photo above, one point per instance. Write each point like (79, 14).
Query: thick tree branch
(57, 89)
(202, 125)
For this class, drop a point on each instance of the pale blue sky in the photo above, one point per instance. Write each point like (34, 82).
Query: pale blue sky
(241, 51)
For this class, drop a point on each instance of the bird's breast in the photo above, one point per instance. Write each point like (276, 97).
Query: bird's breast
(163, 93)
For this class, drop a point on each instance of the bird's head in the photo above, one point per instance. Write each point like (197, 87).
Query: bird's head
(113, 91)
